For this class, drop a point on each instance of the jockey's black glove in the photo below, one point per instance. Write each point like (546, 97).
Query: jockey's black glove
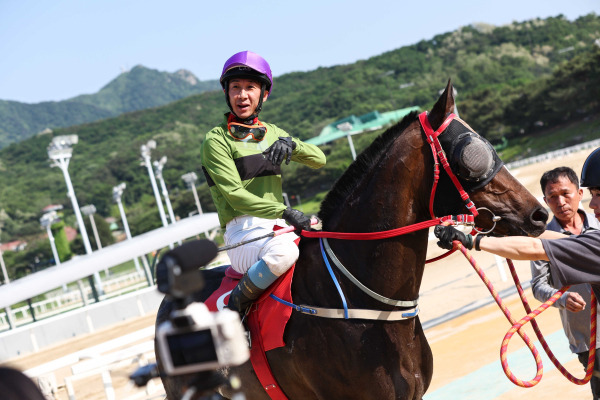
(281, 150)
(297, 219)
(447, 234)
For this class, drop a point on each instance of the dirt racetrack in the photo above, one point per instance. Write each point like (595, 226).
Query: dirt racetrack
(463, 346)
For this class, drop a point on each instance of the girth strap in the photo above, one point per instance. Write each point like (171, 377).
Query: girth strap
(359, 313)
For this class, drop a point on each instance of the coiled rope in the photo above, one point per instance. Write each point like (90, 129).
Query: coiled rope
(516, 327)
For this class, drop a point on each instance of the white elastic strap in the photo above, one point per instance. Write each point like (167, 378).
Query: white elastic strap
(356, 313)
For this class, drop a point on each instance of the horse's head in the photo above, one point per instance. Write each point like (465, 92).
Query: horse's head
(491, 187)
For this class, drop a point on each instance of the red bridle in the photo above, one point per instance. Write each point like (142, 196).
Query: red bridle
(439, 156)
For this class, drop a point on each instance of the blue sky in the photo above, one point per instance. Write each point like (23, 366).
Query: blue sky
(57, 49)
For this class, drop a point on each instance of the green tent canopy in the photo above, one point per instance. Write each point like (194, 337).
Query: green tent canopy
(353, 125)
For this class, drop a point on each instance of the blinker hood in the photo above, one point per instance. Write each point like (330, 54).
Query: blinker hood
(471, 157)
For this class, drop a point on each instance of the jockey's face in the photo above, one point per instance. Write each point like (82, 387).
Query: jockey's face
(244, 96)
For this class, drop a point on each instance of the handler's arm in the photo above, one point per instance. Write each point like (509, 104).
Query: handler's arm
(515, 247)
(548, 234)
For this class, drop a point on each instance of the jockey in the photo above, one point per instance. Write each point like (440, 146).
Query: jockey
(241, 159)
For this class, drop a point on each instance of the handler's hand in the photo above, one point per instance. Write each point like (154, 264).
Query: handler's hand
(575, 302)
(448, 234)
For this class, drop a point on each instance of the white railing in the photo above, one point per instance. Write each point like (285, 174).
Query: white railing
(58, 301)
(554, 154)
(136, 348)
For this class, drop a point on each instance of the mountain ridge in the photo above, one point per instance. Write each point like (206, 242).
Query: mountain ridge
(137, 89)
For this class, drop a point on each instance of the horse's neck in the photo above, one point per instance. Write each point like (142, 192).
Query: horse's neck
(391, 195)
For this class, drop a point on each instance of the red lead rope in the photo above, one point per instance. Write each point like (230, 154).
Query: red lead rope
(457, 219)
(516, 327)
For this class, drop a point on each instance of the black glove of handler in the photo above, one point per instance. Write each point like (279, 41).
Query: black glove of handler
(280, 150)
(447, 234)
(297, 219)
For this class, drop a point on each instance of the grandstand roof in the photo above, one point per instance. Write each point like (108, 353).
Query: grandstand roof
(354, 125)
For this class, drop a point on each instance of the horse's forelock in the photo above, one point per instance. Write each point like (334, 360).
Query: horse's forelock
(347, 183)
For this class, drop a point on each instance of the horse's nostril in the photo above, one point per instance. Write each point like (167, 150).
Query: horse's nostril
(539, 216)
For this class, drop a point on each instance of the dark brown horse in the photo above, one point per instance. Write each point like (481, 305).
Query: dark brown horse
(387, 187)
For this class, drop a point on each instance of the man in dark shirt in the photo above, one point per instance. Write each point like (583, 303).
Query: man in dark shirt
(563, 196)
(573, 259)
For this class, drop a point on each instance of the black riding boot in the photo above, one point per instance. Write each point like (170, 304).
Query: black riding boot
(243, 295)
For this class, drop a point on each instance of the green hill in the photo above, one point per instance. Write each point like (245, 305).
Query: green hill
(137, 89)
(143, 88)
(512, 81)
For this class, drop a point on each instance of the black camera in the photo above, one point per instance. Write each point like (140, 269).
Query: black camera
(194, 339)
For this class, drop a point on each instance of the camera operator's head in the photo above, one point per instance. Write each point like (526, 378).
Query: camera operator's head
(15, 385)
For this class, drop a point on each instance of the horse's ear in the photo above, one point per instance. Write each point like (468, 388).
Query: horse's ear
(443, 107)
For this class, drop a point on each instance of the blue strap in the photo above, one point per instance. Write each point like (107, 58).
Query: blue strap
(305, 310)
(335, 281)
(411, 314)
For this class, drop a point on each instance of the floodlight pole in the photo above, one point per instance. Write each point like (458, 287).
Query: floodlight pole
(286, 199)
(53, 244)
(59, 152)
(90, 210)
(117, 194)
(347, 127)
(7, 309)
(146, 149)
(190, 179)
(158, 168)
(46, 221)
(4, 272)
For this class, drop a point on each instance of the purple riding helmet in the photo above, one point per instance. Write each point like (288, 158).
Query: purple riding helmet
(247, 65)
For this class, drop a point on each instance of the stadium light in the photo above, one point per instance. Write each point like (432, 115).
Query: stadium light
(158, 169)
(146, 150)
(7, 309)
(286, 199)
(117, 194)
(46, 221)
(190, 180)
(60, 152)
(90, 210)
(347, 127)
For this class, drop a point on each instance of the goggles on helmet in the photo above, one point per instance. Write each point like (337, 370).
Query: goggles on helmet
(242, 131)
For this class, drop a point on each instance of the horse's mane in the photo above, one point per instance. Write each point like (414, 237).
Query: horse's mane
(347, 183)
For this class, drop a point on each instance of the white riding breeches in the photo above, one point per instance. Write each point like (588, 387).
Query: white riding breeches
(279, 252)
